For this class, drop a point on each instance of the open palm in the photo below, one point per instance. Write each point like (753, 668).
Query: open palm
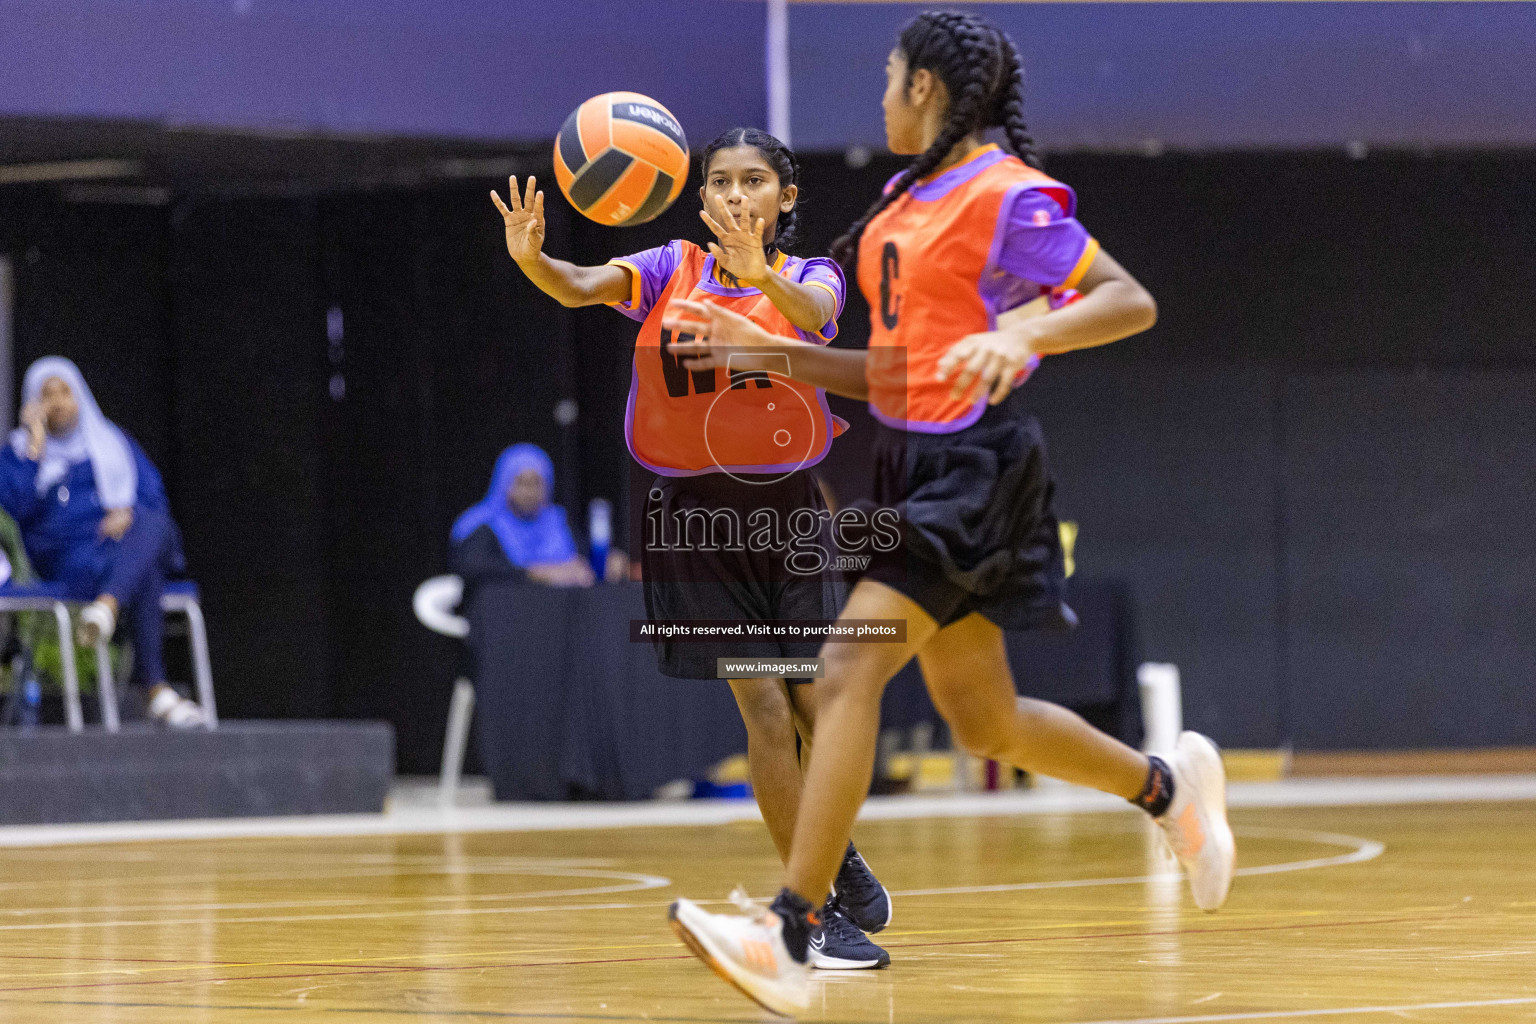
(739, 251)
(524, 221)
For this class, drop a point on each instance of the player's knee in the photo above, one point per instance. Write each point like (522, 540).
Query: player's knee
(851, 668)
(980, 737)
(802, 699)
(766, 713)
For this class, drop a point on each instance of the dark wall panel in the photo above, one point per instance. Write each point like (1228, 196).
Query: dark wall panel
(91, 285)
(249, 332)
(1411, 562)
(1169, 471)
(449, 355)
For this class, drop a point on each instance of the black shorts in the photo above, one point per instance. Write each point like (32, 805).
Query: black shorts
(978, 531)
(716, 575)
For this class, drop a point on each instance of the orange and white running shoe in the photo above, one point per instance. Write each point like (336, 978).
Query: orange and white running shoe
(746, 951)
(1195, 823)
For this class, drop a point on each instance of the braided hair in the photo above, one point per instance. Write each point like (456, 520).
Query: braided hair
(782, 159)
(980, 67)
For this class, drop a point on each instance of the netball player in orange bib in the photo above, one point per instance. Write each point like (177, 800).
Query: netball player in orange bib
(974, 266)
(731, 453)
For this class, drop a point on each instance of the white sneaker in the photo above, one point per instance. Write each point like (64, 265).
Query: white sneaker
(1195, 823)
(748, 952)
(171, 709)
(97, 623)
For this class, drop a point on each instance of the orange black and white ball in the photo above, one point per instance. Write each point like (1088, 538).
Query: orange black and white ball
(621, 158)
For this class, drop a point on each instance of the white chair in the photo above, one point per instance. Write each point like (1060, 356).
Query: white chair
(181, 598)
(434, 603)
(46, 597)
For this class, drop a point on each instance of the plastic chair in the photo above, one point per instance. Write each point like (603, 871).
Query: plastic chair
(49, 597)
(178, 598)
(434, 604)
(181, 598)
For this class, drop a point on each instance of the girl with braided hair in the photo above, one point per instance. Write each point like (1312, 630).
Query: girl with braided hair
(726, 446)
(974, 266)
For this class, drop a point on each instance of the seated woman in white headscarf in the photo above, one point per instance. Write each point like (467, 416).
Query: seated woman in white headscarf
(94, 517)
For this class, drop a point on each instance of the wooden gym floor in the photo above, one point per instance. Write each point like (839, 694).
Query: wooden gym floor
(1352, 914)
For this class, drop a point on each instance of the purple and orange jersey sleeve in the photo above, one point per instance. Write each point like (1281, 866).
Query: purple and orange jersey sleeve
(1041, 243)
(821, 272)
(649, 272)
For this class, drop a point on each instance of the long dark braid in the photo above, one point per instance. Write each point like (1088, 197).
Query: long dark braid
(981, 69)
(782, 159)
(1009, 113)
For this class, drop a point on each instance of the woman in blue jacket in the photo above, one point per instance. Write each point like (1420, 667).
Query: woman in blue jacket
(94, 517)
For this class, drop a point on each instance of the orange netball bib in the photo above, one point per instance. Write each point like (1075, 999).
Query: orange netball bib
(686, 423)
(928, 266)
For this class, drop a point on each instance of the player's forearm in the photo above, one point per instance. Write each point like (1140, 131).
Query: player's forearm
(806, 306)
(571, 285)
(838, 370)
(1114, 310)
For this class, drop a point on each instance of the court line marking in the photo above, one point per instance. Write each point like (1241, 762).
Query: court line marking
(1381, 791)
(630, 882)
(1340, 1011)
(442, 968)
(1361, 850)
(518, 1015)
(383, 1011)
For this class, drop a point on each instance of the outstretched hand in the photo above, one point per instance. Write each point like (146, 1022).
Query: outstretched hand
(740, 249)
(524, 221)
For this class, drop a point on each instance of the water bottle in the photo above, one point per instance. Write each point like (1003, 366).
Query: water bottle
(31, 700)
(599, 534)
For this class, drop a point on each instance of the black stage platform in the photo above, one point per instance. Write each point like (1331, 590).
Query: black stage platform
(242, 769)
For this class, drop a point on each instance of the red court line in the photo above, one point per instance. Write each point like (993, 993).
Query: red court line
(688, 956)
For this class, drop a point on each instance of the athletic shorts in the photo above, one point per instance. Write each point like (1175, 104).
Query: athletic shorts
(716, 574)
(978, 530)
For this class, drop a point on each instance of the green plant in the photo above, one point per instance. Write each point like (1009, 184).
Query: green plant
(50, 668)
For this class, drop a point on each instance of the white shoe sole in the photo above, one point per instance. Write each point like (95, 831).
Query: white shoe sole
(832, 963)
(1203, 768)
(684, 916)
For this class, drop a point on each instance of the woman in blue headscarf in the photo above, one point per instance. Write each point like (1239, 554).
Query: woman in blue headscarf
(94, 517)
(516, 531)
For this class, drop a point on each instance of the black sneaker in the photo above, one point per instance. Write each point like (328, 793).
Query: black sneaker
(861, 895)
(838, 945)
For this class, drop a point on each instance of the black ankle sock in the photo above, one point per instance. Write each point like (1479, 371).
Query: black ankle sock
(799, 918)
(1157, 794)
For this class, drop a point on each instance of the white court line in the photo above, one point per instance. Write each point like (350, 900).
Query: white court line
(1334, 1012)
(562, 817)
(630, 882)
(1360, 850)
